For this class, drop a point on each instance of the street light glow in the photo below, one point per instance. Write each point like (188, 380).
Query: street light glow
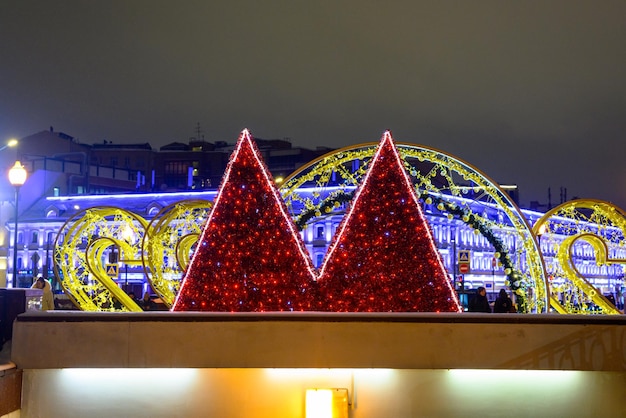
(10, 143)
(17, 174)
(17, 177)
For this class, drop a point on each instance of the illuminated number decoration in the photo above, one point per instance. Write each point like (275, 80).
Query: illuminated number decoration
(592, 232)
(82, 250)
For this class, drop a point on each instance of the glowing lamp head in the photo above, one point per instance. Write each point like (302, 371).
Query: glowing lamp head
(17, 174)
(327, 403)
(319, 403)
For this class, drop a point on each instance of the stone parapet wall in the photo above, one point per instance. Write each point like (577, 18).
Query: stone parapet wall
(319, 340)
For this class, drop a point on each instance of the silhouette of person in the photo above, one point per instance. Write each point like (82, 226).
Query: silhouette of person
(503, 303)
(146, 302)
(479, 302)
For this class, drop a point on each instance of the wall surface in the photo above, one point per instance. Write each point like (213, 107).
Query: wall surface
(289, 339)
(396, 365)
(10, 389)
(280, 393)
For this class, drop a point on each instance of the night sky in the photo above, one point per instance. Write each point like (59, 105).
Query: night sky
(529, 92)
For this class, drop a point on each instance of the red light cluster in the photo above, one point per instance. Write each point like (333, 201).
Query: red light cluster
(250, 256)
(383, 257)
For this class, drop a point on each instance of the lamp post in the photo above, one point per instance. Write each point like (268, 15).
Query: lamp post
(453, 242)
(540, 232)
(17, 177)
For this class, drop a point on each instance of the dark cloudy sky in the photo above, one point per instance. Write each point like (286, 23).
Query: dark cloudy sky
(530, 92)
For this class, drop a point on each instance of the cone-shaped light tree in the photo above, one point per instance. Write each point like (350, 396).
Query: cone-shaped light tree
(250, 256)
(383, 257)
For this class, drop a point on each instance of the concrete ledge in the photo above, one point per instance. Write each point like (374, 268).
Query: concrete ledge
(319, 340)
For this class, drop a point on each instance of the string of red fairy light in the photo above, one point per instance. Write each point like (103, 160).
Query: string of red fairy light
(251, 258)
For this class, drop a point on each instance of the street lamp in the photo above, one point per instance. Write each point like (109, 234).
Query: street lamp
(10, 143)
(17, 177)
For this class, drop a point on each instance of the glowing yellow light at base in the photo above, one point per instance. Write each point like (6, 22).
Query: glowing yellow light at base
(327, 403)
(319, 403)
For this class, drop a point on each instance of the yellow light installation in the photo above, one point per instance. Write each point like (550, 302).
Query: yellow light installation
(565, 257)
(169, 242)
(589, 228)
(81, 254)
(162, 248)
(441, 174)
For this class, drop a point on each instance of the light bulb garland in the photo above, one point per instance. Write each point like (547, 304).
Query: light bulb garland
(515, 280)
(333, 201)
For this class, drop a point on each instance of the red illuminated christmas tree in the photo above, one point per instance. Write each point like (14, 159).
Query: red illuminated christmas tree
(250, 256)
(383, 257)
